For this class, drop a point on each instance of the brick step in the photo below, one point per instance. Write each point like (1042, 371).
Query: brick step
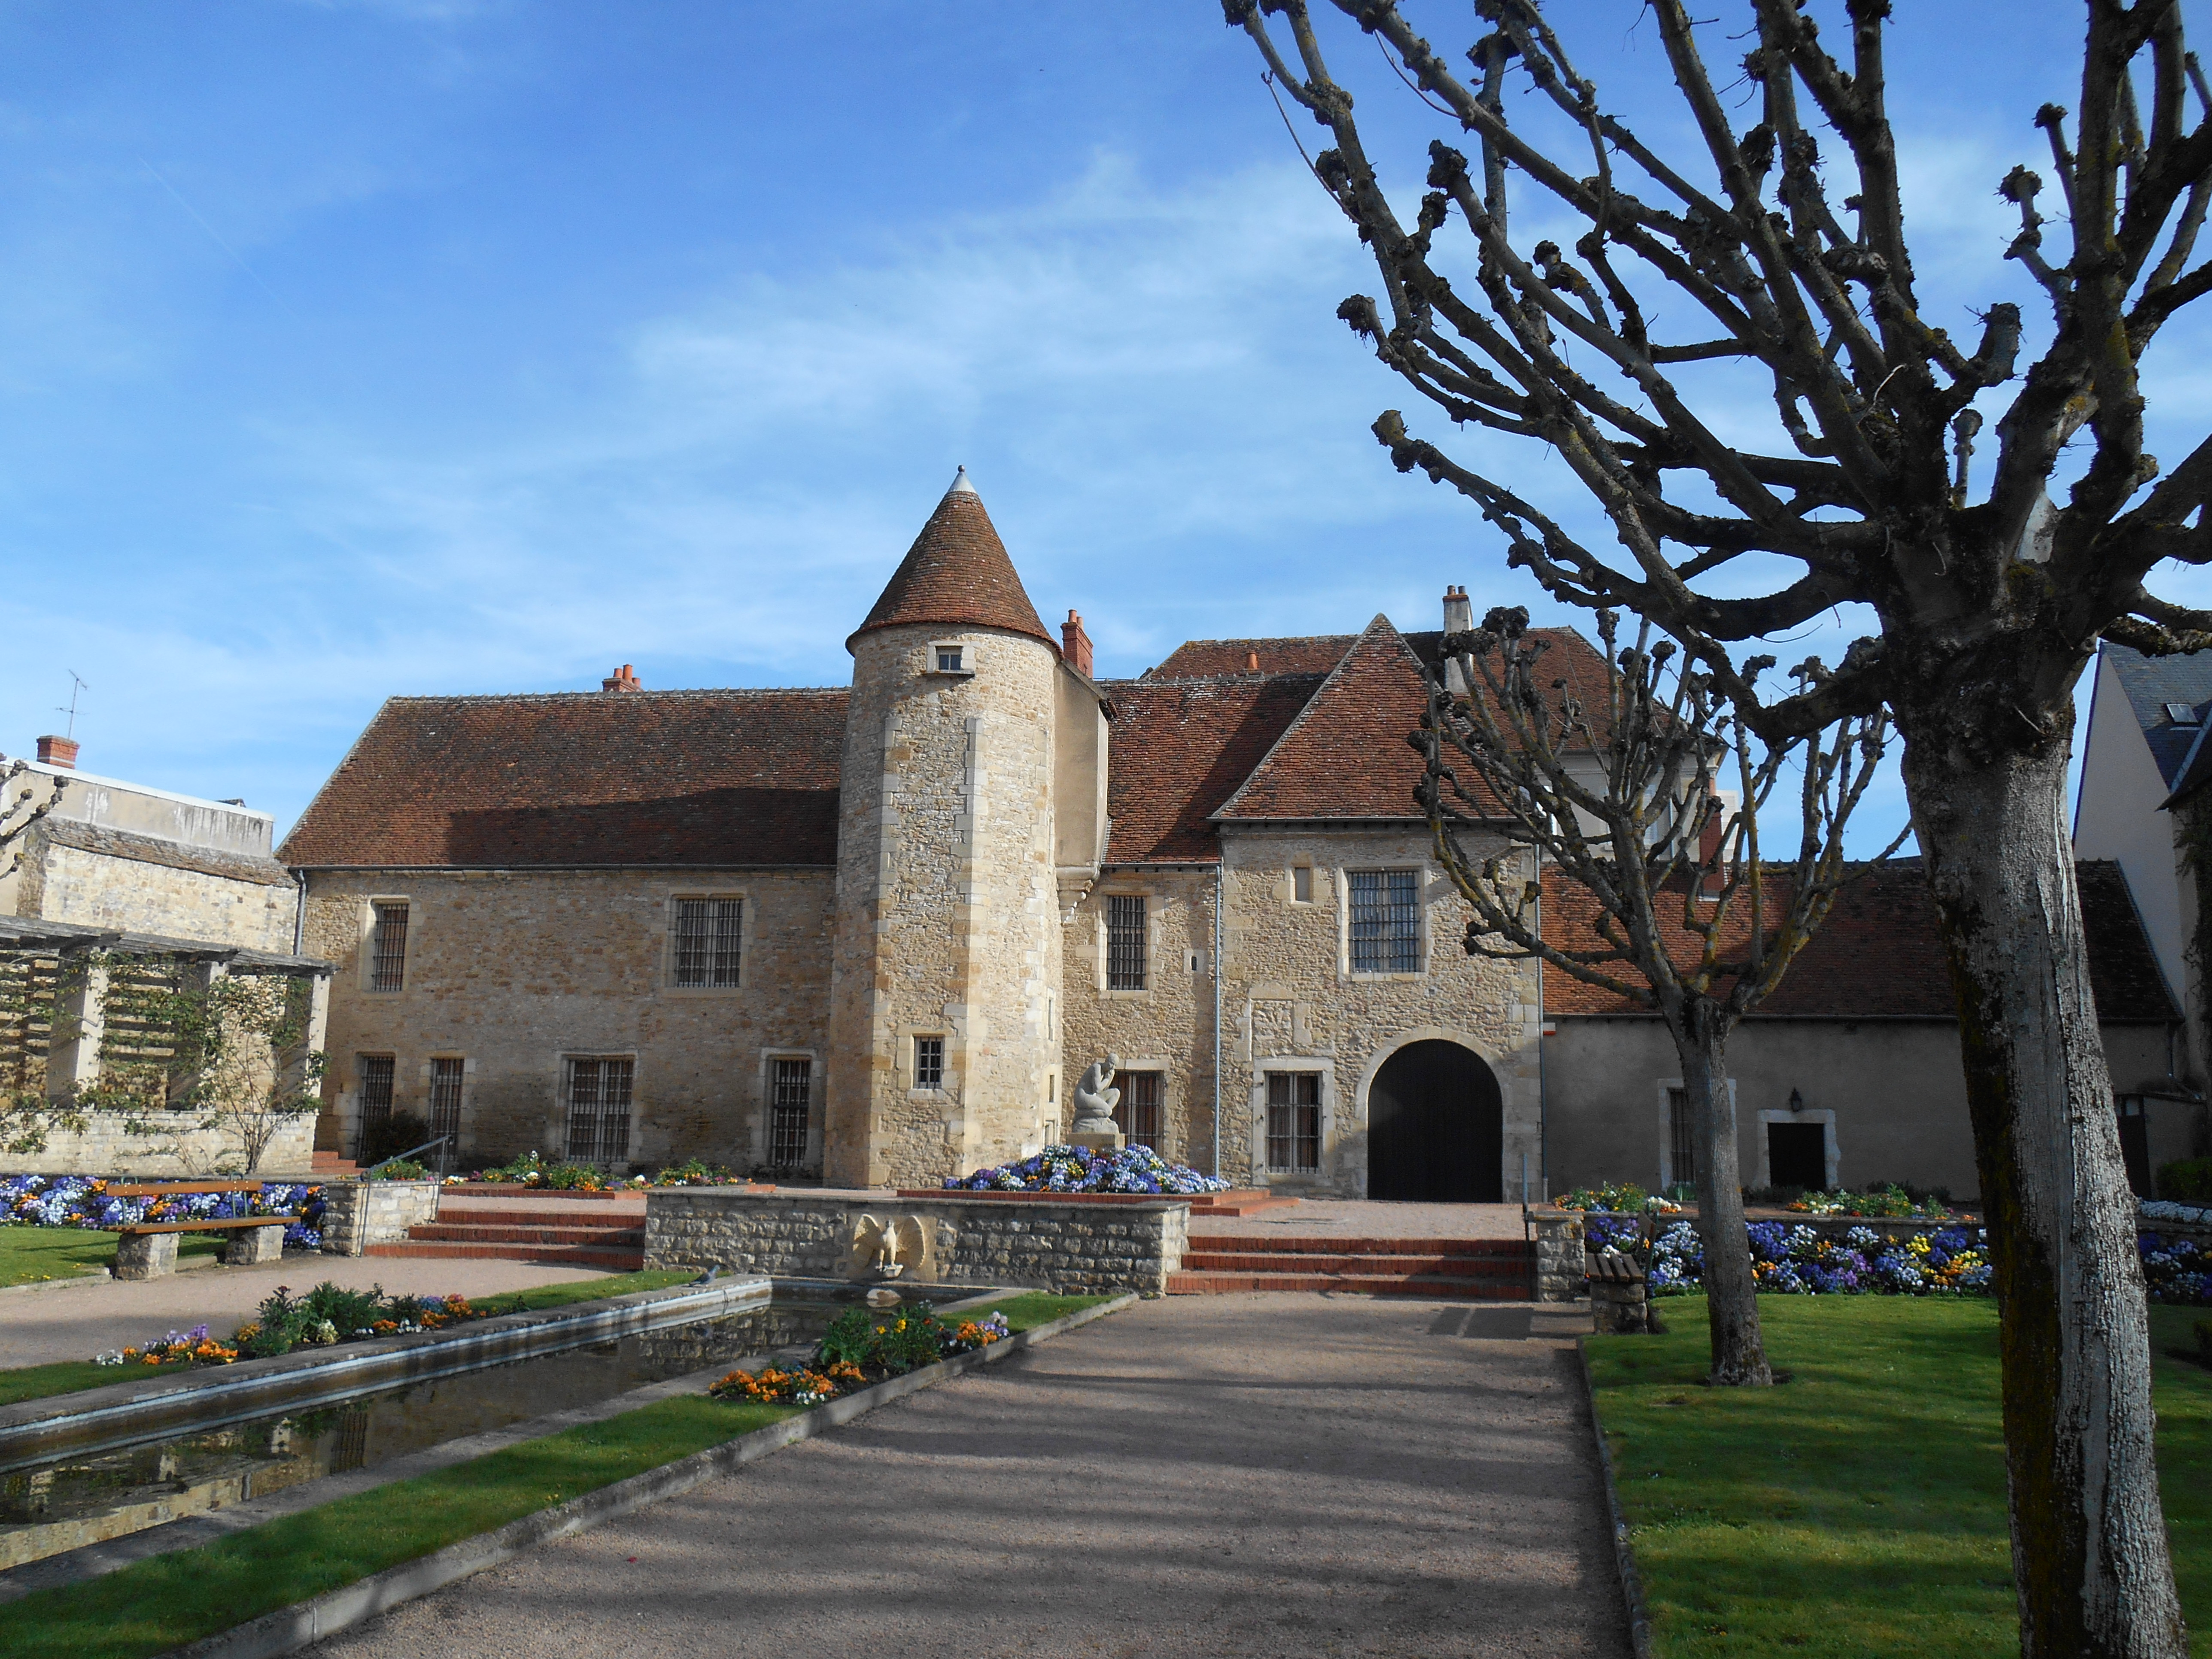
(1400, 1267)
(1237, 1204)
(332, 1164)
(1465, 1290)
(478, 1233)
(579, 1255)
(1513, 1249)
(465, 1215)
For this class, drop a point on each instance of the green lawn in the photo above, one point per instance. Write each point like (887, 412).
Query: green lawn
(31, 1255)
(1031, 1308)
(1858, 1512)
(156, 1604)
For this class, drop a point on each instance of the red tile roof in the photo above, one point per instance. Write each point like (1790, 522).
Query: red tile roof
(1314, 653)
(1345, 755)
(1878, 954)
(957, 574)
(700, 778)
(1179, 747)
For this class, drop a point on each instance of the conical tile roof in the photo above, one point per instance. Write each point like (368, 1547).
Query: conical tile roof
(956, 574)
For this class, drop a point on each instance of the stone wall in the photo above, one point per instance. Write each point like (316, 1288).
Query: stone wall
(68, 884)
(1066, 1247)
(948, 922)
(359, 1213)
(1291, 1002)
(512, 971)
(1560, 1250)
(173, 1145)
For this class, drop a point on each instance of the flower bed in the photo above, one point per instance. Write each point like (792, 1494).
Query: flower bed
(1615, 1196)
(1799, 1260)
(83, 1201)
(1136, 1169)
(325, 1315)
(856, 1352)
(529, 1173)
(1892, 1202)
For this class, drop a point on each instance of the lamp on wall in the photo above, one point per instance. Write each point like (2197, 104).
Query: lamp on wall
(1796, 1102)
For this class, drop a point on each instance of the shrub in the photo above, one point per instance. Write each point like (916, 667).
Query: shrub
(2189, 1181)
(402, 1132)
(399, 1169)
(855, 1351)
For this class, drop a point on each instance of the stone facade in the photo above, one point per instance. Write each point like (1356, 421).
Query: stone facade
(947, 925)
(1067, 1247)
(513, 972)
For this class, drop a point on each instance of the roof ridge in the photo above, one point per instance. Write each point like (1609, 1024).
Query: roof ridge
(613, 699)
(1228, 807)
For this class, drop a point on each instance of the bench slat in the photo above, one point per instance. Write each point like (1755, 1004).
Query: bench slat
(205, 1226)
(152, 1189)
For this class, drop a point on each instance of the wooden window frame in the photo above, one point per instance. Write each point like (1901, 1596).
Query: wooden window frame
(1288, 1128)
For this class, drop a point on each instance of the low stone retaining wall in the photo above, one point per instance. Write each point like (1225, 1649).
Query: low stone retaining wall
(1057, 1246)
(169, 1145)
(359, 1213)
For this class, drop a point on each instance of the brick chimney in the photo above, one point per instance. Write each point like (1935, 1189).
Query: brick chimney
(1075, 644)
(57, 751)
(622, 680)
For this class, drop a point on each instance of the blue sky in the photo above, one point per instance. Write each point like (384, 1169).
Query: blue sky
(356, 349)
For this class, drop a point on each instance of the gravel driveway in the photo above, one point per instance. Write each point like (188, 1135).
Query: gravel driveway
(1204, 1475)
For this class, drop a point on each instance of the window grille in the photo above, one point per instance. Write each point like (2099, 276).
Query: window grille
(709, 934)
(388, 958)
(1294, 1120)
(445, 1099)
(599, 1108)
(376, 1071)
(1385, 921)
(1125, 942)
(929, 1063)
(1138, 1116)
(1681, 1139)
(791, 1093)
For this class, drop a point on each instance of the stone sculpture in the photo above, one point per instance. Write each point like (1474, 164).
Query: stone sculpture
(889, 1249)
(1095, 1100)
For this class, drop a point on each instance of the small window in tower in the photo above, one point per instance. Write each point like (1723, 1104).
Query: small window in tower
(1302, 884)
(952, 659)
(929, 1063)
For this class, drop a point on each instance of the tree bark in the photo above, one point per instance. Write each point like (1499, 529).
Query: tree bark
(2090, 1560)
(1731, 1293)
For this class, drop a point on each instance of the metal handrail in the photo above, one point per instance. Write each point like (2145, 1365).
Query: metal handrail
(402, 1158)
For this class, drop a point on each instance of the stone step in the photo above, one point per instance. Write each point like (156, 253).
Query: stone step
(464, 1215)
(1399, 1266)
(1466, 1289)
(580, 1256)
(480, 1233)
(1237, 1204)
(1514, 1249)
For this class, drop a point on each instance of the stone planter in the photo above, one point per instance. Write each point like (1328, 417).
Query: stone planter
(359, 1213)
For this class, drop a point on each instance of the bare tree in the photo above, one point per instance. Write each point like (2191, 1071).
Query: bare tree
(1989, 603)
(1650, 802)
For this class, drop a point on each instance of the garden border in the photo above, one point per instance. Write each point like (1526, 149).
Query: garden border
(290, 1629)
(1623, 1557)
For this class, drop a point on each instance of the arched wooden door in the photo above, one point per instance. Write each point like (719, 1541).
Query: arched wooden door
(1436, 1127)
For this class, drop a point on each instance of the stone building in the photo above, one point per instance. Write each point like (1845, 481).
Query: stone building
(124, 872)
(873, 934)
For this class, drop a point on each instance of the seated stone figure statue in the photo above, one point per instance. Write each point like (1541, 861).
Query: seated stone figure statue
(1095, 1101)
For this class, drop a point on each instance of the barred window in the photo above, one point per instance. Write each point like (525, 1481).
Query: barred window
(791, 1091)
(375, 1077)
(446, 1077)
(1125, 942)
(1294, 1120)
(388, 949)
(599, 1108)
(1385, 921)
(1682, 1138)
(929, 1063)
(1138, 1116)
(708, 932)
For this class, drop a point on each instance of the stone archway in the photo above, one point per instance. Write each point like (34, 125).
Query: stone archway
(1436, 1127)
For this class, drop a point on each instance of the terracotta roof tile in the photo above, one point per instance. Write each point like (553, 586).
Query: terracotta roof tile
(1180, 747)
(957, 574)
(1315, 653)
(1345, 755)
(1880, 954)
(702, 778)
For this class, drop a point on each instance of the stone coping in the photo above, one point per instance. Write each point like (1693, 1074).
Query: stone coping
(1052, 1198)
(859, 1197)
(30, 1428)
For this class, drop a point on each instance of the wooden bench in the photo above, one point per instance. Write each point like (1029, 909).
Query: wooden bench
(148, 1250)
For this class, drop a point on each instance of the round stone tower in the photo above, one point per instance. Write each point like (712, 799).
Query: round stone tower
(944, 1037)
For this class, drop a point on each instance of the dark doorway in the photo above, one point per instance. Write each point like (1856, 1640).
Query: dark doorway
(1798, 1155)
(1436, 1127)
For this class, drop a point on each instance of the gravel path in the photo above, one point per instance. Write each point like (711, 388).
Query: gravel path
(76, 1320)
(1199, 1475)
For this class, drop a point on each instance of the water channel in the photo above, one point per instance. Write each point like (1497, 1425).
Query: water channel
(108, 1489)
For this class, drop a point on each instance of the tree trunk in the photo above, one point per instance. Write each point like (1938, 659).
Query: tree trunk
(1731, 1294)
(2089, 1545)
